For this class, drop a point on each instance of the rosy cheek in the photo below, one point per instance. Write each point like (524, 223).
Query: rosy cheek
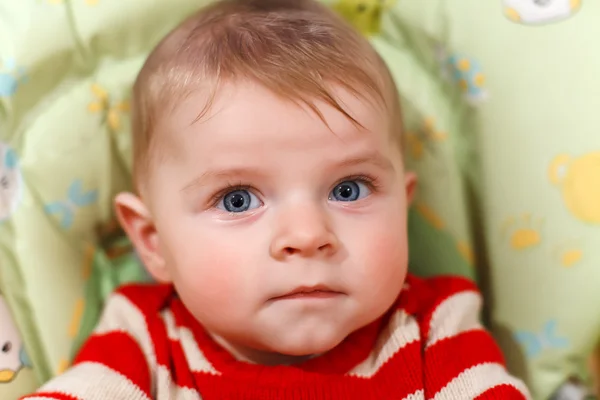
(389, 247)
(209, 271)
(386, 249)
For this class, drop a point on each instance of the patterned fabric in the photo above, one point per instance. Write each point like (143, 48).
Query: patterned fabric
(429, 345)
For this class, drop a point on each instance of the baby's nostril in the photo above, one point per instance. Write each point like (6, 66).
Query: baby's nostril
(6, 347)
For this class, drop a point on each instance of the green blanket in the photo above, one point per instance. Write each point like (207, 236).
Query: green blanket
(501, 101)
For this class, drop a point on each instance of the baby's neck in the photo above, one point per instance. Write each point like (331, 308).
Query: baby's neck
(254, 356)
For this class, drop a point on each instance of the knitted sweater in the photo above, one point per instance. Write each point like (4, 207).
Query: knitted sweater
(430, 345)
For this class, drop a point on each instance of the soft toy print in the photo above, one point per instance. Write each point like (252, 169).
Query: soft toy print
(533, 12)
(579, 181)
(12, 353)
(10, 181)
(365, 15)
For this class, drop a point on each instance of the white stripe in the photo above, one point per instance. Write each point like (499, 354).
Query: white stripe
(477, 380)
(418, 395)
(196, 359)
(401, 330)
(167, 389)
(169, 320)
(94, 381)
(38, 398)
(457, 314)
(122, 315)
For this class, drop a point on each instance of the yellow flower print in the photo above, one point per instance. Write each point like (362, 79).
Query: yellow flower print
(417, 141)
(104, 104)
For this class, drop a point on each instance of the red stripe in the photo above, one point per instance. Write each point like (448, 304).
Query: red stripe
(179, 368)
(157, 330)
(51, 395)
(425, 295)
(501, 392)
(400, 376)
(454, 287)
(448, 358)
(120, 352)
(150, 300)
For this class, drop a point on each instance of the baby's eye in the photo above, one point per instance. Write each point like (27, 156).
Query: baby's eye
(349, 191)
(238, 201)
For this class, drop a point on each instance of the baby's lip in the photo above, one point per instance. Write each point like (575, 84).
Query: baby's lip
(311, 291)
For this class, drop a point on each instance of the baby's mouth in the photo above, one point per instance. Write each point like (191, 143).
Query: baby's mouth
(309, 292)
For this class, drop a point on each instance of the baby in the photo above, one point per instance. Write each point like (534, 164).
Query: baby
(271, 209)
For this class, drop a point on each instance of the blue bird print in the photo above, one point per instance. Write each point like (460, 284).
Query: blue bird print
(77, 197)
(536, 342)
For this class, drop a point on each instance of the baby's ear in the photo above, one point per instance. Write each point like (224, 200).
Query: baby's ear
(136, 220)
(410, 183)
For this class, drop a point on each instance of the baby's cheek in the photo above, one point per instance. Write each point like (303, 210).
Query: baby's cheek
(207, 278)
(211, 273)
(386, 254)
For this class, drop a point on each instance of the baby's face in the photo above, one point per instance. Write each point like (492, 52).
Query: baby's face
(281, 235)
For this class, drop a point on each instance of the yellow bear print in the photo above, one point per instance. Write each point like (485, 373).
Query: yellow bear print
(522, 232)
(578, 179)
(568, 254)
(534, 12)
(365, 15)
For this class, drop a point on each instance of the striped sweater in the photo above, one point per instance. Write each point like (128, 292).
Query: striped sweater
(430, 345)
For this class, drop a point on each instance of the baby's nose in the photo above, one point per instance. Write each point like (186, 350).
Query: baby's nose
(305, 232)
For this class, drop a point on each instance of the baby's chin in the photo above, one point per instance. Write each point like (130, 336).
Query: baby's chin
(304, 343)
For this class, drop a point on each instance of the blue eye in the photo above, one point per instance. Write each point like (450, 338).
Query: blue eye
(349, 191)
(238, 201)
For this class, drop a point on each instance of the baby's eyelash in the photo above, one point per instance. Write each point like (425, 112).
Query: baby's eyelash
(372, 182)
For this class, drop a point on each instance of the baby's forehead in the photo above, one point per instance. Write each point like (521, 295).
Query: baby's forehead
(255, 130)
(250, 109)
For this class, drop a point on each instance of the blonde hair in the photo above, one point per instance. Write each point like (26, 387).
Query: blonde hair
(298, 49)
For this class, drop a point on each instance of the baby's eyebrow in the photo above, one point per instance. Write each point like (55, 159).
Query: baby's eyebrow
(223, 174)
(374, 158)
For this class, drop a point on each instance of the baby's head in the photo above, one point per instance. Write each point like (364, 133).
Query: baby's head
(271, 188)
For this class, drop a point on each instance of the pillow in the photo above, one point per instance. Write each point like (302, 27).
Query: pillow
(519, 84)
